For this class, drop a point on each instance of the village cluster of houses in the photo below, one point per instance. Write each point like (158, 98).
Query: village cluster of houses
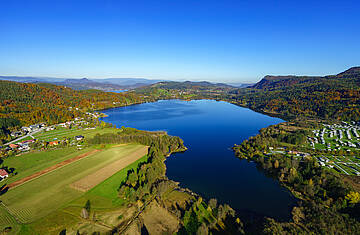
(344, 135)
(22, 146)
(42, 126)
(93, 115)
(28, 129)
(25, 145)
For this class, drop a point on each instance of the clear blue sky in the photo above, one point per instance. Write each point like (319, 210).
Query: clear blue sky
(178, 39)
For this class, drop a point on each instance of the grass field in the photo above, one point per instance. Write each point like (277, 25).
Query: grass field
(103, 198)
(44, 195)
(62, 132)
(28, 164)
(89, 181)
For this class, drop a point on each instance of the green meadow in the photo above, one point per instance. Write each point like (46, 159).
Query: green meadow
(62, 132)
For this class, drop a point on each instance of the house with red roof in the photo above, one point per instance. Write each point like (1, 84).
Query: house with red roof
(52, 143)
(13, 146)
(3, 174)
(28, 141)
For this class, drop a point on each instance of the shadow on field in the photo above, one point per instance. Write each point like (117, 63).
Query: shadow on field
(3, 189)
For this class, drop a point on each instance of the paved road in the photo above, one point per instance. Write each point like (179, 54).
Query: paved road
(22, 137)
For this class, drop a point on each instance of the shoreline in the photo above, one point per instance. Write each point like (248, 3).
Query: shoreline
(255, 214)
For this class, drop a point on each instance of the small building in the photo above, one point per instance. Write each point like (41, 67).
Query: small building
(51, 128)
(3, 174)
(28, 141)
(25, 129)
(13, 146)
(79, 137)
(53, 143)
(24, 148)
(35, 127)
(16, 134)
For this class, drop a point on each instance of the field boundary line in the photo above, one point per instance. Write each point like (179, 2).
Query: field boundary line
(51, 169)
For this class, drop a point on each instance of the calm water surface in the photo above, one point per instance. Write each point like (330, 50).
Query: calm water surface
(209, 130)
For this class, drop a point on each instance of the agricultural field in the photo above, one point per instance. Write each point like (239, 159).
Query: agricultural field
(28, 164)
(44, 197)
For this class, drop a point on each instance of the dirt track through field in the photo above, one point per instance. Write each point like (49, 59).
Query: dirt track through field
(89, 181)
(50, 169)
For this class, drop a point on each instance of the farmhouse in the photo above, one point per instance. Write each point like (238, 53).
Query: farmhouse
(51, 128)
(53, 143)
(25, 129)
(3, 174)
(79, 137)
(13, 146)
(28, 141)
(16, 134)
(35, 127)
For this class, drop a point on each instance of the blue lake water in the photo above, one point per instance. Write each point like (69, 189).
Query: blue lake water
(209, 167)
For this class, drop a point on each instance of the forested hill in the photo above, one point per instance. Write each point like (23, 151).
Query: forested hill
(328, 97)
(275, 82)
(269, 82)
(32, 103)
(353, 72)
(334, 97)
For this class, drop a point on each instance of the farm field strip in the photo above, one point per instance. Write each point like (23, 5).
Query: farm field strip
(47, 193)
(97, 177)
(30, 163)
(49, 169)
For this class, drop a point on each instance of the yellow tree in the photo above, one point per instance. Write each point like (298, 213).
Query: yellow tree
(353, 197)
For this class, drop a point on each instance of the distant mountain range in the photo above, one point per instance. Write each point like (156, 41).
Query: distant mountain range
(108, 84)
(112, 84)
(188, 85)
(241, 85)
(84, 84)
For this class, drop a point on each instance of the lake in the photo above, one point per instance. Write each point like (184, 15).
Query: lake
(209, 167)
